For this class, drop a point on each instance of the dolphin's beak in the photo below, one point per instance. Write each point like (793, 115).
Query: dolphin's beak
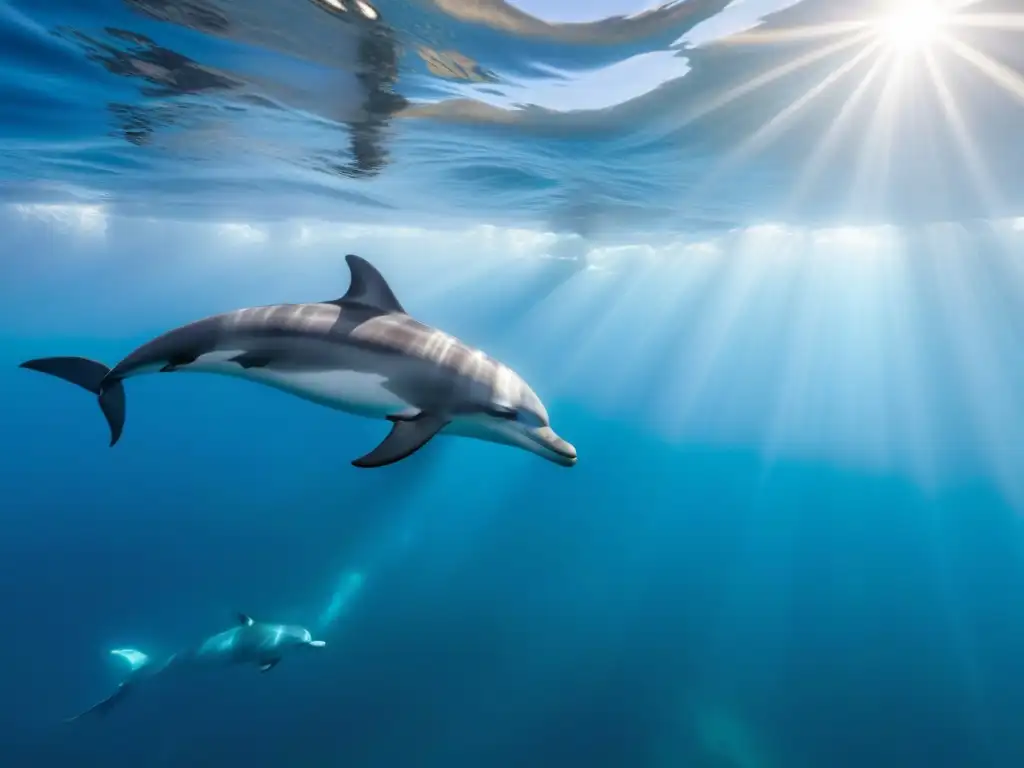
(316, 643)
(555, 448)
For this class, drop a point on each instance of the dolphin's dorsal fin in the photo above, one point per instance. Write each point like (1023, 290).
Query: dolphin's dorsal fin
(245, 620)
(368, 288)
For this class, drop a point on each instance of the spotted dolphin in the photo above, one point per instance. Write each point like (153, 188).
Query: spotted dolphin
(248, 642)
(361, 353)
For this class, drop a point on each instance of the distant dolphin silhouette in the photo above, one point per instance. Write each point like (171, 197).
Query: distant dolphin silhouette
(250, 642)
(361, 353)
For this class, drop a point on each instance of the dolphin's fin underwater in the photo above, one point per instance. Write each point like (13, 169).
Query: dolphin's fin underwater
(90, 375)
(368, 288)
(269, 665)
(245, 619)
(408, 435)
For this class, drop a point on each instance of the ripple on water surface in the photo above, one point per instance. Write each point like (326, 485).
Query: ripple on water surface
(697, 115)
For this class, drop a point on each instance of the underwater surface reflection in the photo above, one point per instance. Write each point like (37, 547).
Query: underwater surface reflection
(699, 115)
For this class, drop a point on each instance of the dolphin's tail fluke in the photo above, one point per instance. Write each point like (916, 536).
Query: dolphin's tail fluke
(136, 660)
(101, 708)
(93, 376)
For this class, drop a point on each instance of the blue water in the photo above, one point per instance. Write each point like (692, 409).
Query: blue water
(779, 320)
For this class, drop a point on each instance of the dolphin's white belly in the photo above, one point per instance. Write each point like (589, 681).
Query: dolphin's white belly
(352, 391)
(362, 393)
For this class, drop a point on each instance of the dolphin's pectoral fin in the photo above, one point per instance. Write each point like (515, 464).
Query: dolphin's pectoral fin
(368, 288)
(253, 359)
(178, 361)
(269, 665)
(407, 436)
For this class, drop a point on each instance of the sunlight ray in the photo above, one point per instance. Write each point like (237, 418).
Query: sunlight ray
(976, 168)
(704, 341)
(606, 326)
(640, 350)
(494, 255)
(793, 34)
(872, 162)
(790, 421)
(776, 73)
(1001, 75)
(773, 128)
(914, 401)
(456, 282)
(637, 364)
(561, 328)
(912, 26)
(651, 318)
(1011, 22)
(716, 333)
(823, 150)
(835, 392)
(863, 284)
(1009, 243)
(986, 388)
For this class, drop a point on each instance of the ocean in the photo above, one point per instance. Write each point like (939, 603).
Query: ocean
(760, 259)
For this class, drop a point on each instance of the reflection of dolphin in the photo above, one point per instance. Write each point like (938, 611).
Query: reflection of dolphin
(251, 642)
(360, 353)
(356, 44)
(358, 47)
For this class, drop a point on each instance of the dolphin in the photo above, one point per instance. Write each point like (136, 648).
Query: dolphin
(361, 353)
(248, 642)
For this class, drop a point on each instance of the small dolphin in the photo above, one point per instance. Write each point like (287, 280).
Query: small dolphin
(361, 354)
(250, 642)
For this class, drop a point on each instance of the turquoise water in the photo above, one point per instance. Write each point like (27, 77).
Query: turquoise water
(793, 534)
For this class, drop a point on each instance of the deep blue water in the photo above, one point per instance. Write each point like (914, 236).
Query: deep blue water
(793, 537)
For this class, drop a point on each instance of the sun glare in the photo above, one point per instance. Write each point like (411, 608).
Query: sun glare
(913, 25)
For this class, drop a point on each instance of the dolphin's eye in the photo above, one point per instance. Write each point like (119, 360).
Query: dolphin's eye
(522, 415)
(503, 412)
